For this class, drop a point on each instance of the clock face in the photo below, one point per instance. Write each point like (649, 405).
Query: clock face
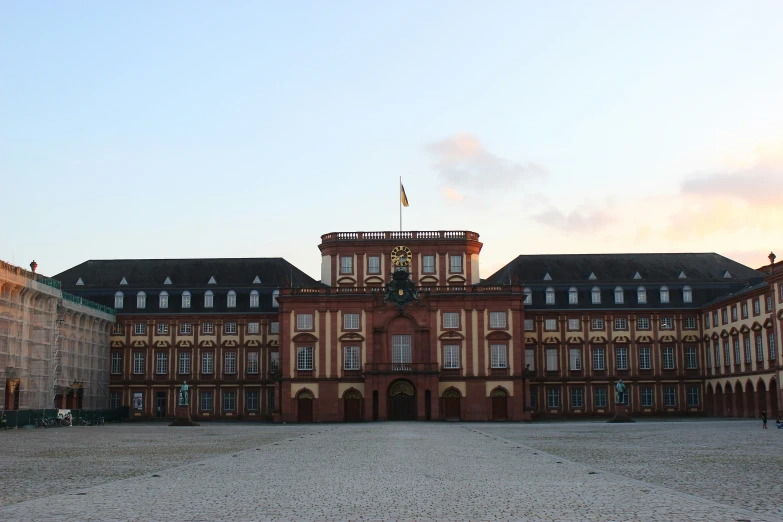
(401, 256)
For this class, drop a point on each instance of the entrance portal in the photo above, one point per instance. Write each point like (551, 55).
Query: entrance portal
(160, 404)
(305, 406)
(451, 404)
(499, 404)
(402, 401)
(352, 406)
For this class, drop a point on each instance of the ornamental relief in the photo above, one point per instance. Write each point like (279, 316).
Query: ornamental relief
(402, 388)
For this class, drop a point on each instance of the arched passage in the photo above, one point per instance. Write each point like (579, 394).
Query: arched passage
(499, 398)
(402, 400)
(739, 401)
(709, 401)
(352, 406)
(719, 412)
(773, 398)
(761, 397)
(304, 406)
(452, 409)
(750, 400)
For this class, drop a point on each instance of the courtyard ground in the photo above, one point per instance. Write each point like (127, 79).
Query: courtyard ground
(689, 470)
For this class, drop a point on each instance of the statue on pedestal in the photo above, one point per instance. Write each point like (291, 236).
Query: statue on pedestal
(619, 395)
(183, 394)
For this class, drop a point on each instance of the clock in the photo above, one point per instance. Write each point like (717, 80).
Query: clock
(401, 256)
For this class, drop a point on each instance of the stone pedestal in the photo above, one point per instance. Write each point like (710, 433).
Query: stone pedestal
(621, 414)
(183, 417)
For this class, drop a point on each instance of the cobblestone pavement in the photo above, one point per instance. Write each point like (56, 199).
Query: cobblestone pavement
(733, 462)
(390, 471)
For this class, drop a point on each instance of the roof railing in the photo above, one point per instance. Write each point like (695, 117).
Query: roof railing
(89, 304)
(19, 271)
(416, 235)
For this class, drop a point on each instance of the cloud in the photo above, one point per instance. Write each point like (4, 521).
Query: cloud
(463, 162)
(583, 219)
(452, 195)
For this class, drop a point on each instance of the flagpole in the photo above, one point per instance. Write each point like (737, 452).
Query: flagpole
(400, 203)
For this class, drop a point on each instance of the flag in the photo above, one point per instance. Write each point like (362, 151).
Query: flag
(403, 197)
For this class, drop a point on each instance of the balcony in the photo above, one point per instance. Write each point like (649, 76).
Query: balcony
(401, 368)
(380, 290)
(498, 372)
(443, 235)
(451, 372)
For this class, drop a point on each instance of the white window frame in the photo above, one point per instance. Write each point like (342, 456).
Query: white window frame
(744, 310)
(574, 325)
(275, 293)
(550, 325)
(553, 398)
(552, 363)
(163, 299)
(693, 396)
(451, 354)
(577, 397)
(251, 400)
(691, 359)
(274, 327)
(163, 328)
(206, 401)
(687, 294)
(647, 397)
(689, 323)
(528, 296)
(207, 363)
(254, 299)
(141, 300)
(621, 323)
(138, 363)
(304, 358)
(641, 295)
(450, 320)
(230, 361)
(207, 328)
(667, 354)
(498, 356)
(772, 346)
(351, 321)
(230, 327)
(119, 300)
(642, 323)
(304, 321)
(373, 264)
(619, 295)
(599, 397)
(530, 359)
(573, 295)
(664, 291)
(252, 363)
(670, 397)
(351, 361)
(575, 359)
(759, 349)
(231, 299)
(346, 264)
(116, 363)
(140, 328)
(186, 299)
(748, 351)
(161, 363)
(184, 363)
(550, 295)
(185, 328)
(530, 325)
(622, 358)
(229, 401)
(645, 362)
(253, 327)
(667, 323)
(426, 266)
(597, 323)
(599, 359)
(455, 263)
(595, 295)
(498, 320)
(756, 306)
(209, 299)
(737, 353)
(402, 349)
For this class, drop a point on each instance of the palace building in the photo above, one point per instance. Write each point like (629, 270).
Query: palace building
(402, 326)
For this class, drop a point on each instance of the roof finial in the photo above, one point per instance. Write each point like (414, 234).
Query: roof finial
(34, 265)
(771, 258)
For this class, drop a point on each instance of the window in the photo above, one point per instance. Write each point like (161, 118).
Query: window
(451, 356)
(529, 325)
(252, 362)
(748, 354)
(620, 324)
(669, 397)
(450, 320)
(643, 323)
(528, 296)
(254, 302)
(668, 358)
(717, 354)
(598, 359)
(597, 324)
(209, 299)
(709, 357)
(687, 294)
(207, 328)
(207, 362)
(185, 299)
(600, 397)
(206, 400)
(274, 327)
(116, 400)
(231, 363)
(230, 327)
(304, 321)
(726, 353)
(275, 304)
(577, 397)
(573, 296)
(141, 300)
(759, 349)
(185, 328)
(575, 359)
(252, 328)
(163, 328)
(373, 265)
(550, 325)
(690, 358)
(229, 401)
(690, 323)
(116, 363)
(647, 397)
(574, 324)
(769, 303)
(498, 355)
(551, 359)
(346, 264)
(596, 295)
(530, 359)
(272, 400)
(772, 352)
(737, 354)
(622, 358)
(351, 322)
(351, 358)
(252, 400)
(550, 296)
(715, 318)
(138, 363)
(641, 295)
(644, 358)
(138, 401)
(274, 362)
(706, 320)
(756, 307)
(119, 297)
(428, 264)
(618, 296)
(725, 316)
(231, 299)
(744, 310)
(161, 363)
(184, 363)
(401, 349)
(667, 323)
(455, 263)
(497, 319)
(304, 358)
(664, 294)
(553, 398)
(533, 397)
(693, 396)
(117, 329)
(734, 313)
(163, 300)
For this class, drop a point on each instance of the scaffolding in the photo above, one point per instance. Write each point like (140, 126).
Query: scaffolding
(54, 347)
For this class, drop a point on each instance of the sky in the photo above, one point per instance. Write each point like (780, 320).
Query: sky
(249, 129)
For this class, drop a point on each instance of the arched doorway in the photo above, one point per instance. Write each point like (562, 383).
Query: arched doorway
(761, 397)
(773, 398)
(750, 400)
(451, 404)
(499, 399)
(708, 401)
(402, 401)
(352, 406)
(304, 406)
(719, 401)
(739, 401)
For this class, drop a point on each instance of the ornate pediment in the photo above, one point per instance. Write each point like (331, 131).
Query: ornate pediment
(351, 336)
(768, 323)
(715, 336)
(756, 326)
(456, 280)
(451, 335)
(664, 339)
(139, 344)
(691, 338)
(253, 343)
(162, 344)
(498, 336)
(622, 339)
(724, 333)
(744, 329)
(575, 339)
(304, 338)
(373, 280)
(272, 343)
(184, 344)
(551, 340)
(207, 344)
(598, 339)
(733, 331)
(428, 280)
(346, 280)
(530, 340)
(117, 344)
(229, 343)
(644, 339)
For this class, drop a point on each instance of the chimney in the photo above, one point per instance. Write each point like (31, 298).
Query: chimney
(33, 265)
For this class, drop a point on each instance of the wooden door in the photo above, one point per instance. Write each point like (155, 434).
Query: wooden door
(305, 409)
(352, 409)
(452, 407)
(402, 401)
(499, 405)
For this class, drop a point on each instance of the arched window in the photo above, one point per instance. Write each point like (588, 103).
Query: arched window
(185, 299)
(528, 295)
(618, 295)
(119, 297)
(550, 295)
(163, 300)
(664, 294)
(641, 294)
(687, 294)
(596, 294)
(231, 300)
(274, 298)
(254, 299)
(141, 300)
(573, 295)
(209, 299)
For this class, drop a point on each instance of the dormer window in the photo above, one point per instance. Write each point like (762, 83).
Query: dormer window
(596, 295)
(573, 296)
(231, 299)
(641, 295)
(254, 299)
(275, 304)
(687, 295)
(163, 300)
(528, 295)
(664, 294)
(209, 299)
(550, 296)
(185, 299)
(119, 297)
(141, 300)
(618, 295)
